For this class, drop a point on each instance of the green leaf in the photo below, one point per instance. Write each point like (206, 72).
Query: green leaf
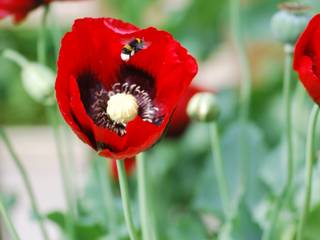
(311, 229)
(186, 227)
(83, 231)
(207, 196)
(241, 227)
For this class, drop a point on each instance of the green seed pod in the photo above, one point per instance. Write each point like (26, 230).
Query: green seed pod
(289, 22)
(203, 107)
(37, 80)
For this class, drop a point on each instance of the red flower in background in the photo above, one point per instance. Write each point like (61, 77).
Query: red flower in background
(129, 164)
(307, 58)
(180, 119)
(117, 85)
(20, 8)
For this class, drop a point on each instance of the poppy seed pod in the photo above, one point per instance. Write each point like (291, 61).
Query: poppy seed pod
(289, 22)
(37, 80)
(203, 107)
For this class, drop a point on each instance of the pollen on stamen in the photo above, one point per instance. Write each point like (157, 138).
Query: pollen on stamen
(122, 108)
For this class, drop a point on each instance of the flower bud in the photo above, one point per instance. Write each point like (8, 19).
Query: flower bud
(203, 107)
(37, 80)
(289, 22)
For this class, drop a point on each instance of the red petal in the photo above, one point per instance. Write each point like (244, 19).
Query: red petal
(309, 79)
(17, 8)
(307, 58)
(95, 45)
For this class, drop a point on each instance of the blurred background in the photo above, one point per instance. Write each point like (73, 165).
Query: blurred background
(180, 167)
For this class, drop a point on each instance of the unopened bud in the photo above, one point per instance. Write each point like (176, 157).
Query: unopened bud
(288, 23)
(203, 107)
(37, 80)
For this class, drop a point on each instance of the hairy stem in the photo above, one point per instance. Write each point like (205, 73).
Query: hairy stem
(123, 181)
(219, 169)
(310, 157)
(106, 192)
(42, 43)
(283, 198)
(8, 222)
(245, 87)
(67, 187)
(26, 180)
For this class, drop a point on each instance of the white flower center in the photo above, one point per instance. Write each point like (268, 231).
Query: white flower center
(122, 108)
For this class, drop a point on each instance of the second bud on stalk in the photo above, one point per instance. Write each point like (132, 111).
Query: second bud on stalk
(203, 107)
(289, 21)
(37, 80)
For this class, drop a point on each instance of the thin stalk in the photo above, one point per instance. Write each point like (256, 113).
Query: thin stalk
(283, 198)
(219, 169)
(42, 46)
(55, 33)
(143, 197)
(310, 157)
(8, 222)
(245, 87)
(52, 116)
(123, 181)
(106, 193)
(26, 181)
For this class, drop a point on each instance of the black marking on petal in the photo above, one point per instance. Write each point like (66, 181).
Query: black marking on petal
(131, 80)
(88, 133)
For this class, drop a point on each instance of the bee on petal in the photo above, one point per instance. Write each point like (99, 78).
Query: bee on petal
(131, 48)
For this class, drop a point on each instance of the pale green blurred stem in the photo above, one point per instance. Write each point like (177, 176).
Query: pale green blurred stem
(42, 46)
(26, 181)
(219, 169)
(55, 32)
(106, 193)
(245, 87)
(283, 198)
(146, 213)
(310, 157)
(143, 201)
(8, 222)
(123, 181)
(52, 116)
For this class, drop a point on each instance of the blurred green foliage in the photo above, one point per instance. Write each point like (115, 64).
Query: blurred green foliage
(186, 164)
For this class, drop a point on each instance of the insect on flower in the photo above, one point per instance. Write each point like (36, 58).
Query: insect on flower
(120, 108)
(132, 47)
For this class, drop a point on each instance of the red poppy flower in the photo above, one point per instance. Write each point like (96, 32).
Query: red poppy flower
(307, 58)
(120, 106)
(129, 164)
(20, 8)
(180, 119)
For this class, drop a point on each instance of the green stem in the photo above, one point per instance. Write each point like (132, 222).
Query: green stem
(106, 193)
(52, 116)
(143, 197)
(26, 181)
(55, 33)
(283, 198)
(42, 47)
(245, 87)
(123, 181)
(219, 169)
(8, 222)
(310, 157)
